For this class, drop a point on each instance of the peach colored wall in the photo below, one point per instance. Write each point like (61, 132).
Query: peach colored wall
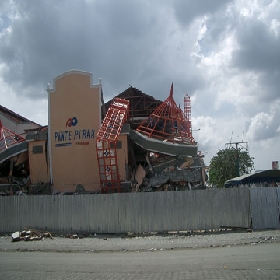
(73, 158)
(38, 165)
(23, 157)
(122, 156)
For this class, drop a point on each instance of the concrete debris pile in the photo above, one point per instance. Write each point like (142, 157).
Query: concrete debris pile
(165, 155)
(40, 188)
(30, 235)
(14, 175)
(14, 185)
(167, 173)
(22, 186)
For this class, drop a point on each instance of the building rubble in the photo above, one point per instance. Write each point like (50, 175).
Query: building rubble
(30, 235)
(166, 173)
(162, 154)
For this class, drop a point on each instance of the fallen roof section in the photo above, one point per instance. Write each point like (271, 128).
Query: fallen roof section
(141, 105)
(10, 143)
(12, 151)
(168, 148)
(168, 123)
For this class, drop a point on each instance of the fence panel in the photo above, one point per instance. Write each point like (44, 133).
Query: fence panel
(219, 208)
(127, 212)
(264, 208)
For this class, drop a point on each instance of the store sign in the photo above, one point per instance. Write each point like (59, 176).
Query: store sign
(71, 137)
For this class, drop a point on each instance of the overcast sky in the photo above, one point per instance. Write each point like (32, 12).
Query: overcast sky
(225, 54)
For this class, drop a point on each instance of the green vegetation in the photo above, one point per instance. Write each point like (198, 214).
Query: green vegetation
(229, 163)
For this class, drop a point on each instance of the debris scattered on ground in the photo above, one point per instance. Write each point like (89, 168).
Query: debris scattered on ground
(75, 236)
(30, 235)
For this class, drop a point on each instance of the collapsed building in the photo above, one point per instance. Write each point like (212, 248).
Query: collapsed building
(14, 164)
(133, 142)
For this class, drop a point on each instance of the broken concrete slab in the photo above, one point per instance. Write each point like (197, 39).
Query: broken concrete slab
(16, 236)
(13, 151)
(173, 149)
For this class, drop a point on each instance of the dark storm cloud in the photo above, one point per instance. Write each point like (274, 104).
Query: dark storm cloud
(259, 47)
(123, 42)
(187, 10)
(270, 82)
(106, 38)
(259, 52)
(42, 43)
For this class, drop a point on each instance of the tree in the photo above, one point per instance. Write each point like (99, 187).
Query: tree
(229, 163)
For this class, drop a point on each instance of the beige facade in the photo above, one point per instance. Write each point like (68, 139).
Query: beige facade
(122, 156)
(74, 120)
(38, 163)
(65, 153)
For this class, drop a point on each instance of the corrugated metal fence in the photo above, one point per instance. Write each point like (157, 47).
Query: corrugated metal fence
(265, 204)
(140, 212)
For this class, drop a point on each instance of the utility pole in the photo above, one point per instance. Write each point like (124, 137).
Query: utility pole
(235, 145)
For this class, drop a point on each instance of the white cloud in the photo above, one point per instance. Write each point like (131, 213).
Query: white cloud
(265, 125)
